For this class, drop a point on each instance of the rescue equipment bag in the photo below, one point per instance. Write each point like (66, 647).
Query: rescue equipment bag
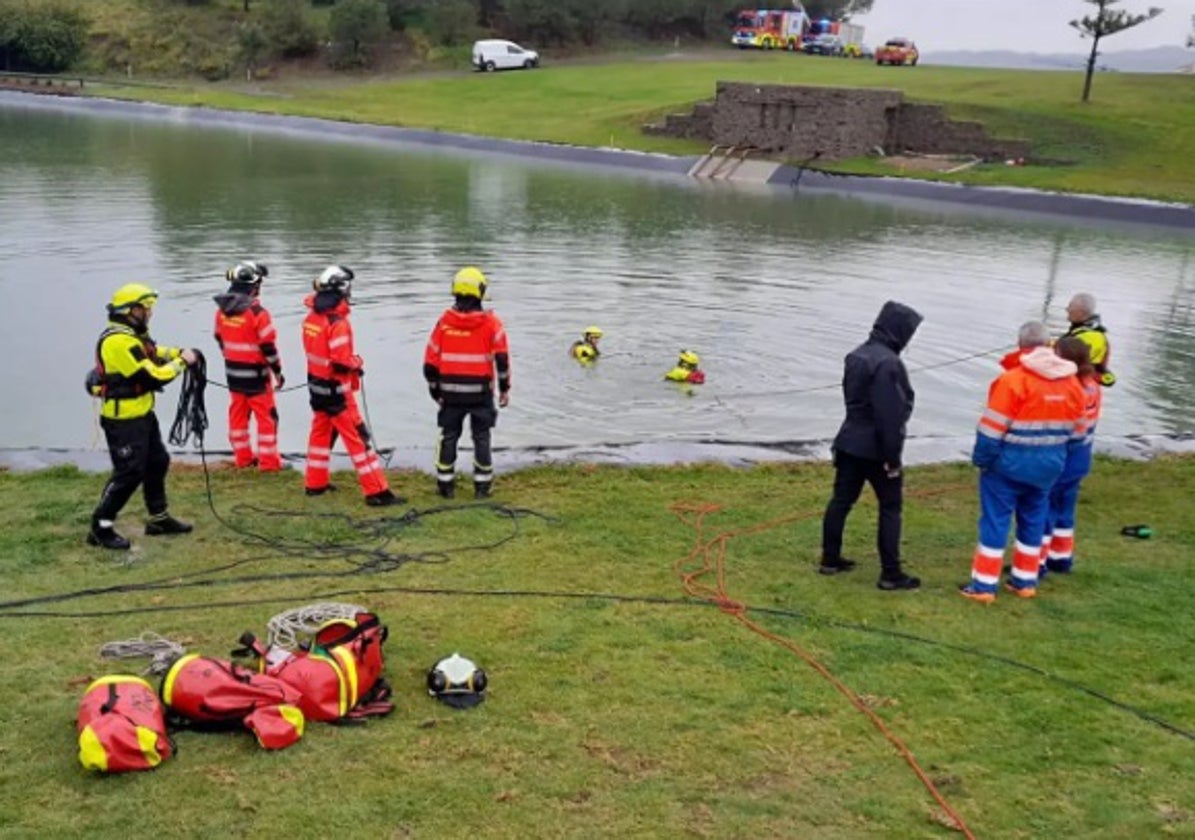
(340, 674)
(212, 693)
(122, 726)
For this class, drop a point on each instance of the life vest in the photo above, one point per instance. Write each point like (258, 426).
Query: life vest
(583, 351)
(683, 374)
(212, 693)
(339, 675)
(1093, 333)
(332, 368)
(122, 726)
(129, 394)
(461, 354)
(245, 332)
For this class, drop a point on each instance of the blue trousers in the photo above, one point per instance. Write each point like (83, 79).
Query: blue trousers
(1000, 499)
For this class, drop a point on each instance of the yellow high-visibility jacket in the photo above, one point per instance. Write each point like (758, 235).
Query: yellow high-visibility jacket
(133, 368)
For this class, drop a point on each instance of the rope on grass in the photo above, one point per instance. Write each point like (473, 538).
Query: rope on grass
(162, 652)
(283, 630)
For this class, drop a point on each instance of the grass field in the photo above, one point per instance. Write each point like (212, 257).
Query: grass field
(619, 707)
(1134, 139)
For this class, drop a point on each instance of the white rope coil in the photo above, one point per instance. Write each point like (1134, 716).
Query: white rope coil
(162, 652)
(284, 629)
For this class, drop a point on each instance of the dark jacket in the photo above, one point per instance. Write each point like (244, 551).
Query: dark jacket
(876, 389)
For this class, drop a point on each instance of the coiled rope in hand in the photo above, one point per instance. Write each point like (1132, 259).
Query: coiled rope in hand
(190, 419)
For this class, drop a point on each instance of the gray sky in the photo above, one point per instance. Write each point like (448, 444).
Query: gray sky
(1022, 25)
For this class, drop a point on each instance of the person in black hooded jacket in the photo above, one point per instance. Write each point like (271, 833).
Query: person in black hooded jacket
(869, 445)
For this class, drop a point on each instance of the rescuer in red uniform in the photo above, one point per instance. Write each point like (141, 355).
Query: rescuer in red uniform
(247, 338)
(465, 347)
(334, 374)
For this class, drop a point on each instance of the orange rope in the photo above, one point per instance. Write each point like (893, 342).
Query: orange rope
(710, 556)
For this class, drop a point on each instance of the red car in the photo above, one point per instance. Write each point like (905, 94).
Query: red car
(898, 51)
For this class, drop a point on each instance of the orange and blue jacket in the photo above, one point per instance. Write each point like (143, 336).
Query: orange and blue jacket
(1034, 417)
(462, 352)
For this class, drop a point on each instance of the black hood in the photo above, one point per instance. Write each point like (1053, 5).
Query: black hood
(233, 303)
(895, 325)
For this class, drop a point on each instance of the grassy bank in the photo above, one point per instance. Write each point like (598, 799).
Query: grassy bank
(1134, 139)
(633, 715)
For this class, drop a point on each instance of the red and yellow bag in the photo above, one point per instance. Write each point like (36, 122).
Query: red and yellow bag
(341, 675)
(213, 692)
(122, 726)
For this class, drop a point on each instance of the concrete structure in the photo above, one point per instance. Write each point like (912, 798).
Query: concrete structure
(824, 123)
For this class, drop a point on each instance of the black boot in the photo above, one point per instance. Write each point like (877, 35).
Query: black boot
(319, 491)
(895, 581)
(164, 524)
(106, 537)
(446, 489)
(482, 489)
(833, 567)
(385, 498)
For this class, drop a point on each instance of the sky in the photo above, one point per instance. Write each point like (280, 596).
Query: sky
(1020, 25)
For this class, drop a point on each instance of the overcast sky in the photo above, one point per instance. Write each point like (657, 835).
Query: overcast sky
(1022, 25)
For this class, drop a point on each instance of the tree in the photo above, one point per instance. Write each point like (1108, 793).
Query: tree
(1104, 23)
(356, 26)
(41, 37)
(288, 28)
(837, 9)
(251, 45)
(1191, 37)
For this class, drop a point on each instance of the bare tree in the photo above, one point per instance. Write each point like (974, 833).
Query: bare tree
(1104, 23)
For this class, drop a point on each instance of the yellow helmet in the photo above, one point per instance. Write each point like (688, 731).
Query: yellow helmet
(688, 357)
(469, 282)
(130, 295)
(592, 332)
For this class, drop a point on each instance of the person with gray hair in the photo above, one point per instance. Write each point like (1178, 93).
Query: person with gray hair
(1031, 334)
(1085, 324)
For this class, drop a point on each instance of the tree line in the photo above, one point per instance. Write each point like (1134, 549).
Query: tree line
(214, 38)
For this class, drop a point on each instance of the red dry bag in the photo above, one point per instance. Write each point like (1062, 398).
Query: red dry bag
(122, 726)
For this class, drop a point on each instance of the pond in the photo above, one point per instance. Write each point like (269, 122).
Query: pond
(770, 288)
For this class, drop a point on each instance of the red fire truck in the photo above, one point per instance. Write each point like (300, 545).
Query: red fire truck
(771, 29)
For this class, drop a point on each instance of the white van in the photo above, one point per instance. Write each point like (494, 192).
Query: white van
(503, 55)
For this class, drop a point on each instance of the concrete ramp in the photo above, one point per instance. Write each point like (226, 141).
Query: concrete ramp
(733, 163)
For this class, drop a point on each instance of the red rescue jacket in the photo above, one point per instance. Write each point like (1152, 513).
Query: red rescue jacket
(333, 370)
(246, 335)
(461, 354)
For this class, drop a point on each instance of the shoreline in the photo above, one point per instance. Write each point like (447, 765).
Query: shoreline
(1073, 207)
(737, 454)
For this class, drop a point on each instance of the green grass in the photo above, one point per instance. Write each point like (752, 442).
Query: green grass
(625, 718)
(1133, 139)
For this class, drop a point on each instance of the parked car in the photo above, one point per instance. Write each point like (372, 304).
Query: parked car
(826, 44)
(503, 55)
(898, 51)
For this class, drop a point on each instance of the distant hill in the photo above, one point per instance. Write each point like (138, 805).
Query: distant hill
(1155, 60)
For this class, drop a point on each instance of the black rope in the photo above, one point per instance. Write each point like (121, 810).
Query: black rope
(190, 418)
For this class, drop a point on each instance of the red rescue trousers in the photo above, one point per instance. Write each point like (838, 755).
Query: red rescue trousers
(353, 431)
(261, 406)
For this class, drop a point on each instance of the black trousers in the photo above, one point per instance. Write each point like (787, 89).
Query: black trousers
(451, 420)
(850, 473)
(138, 458)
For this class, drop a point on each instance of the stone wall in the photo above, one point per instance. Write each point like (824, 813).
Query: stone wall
(824, 123)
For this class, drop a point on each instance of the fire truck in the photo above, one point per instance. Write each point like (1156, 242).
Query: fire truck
(771, 29)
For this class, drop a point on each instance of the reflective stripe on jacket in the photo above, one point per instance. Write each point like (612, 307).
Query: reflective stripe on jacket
(461, 354)
(133, 369)
(247, 338)
(333, 370)
(1034, 416)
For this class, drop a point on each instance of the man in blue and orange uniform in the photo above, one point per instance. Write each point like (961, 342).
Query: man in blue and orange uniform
(1058, 539)
(1034, 415)
(1085, 324)
(247, 338)
(334, 374)
(130, 368)
(465, 347)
